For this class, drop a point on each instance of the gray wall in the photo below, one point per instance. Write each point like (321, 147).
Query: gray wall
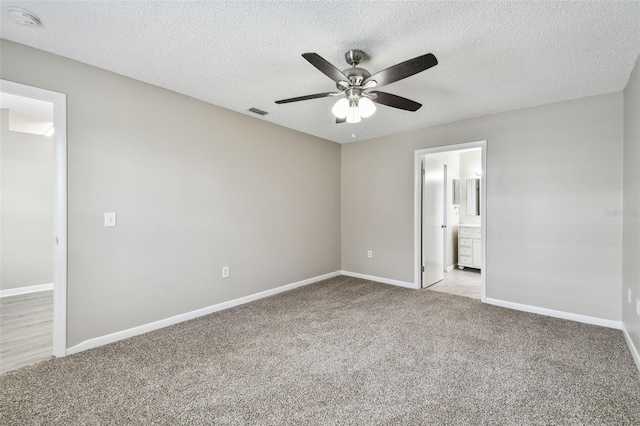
(196, 187)
(631, 221)
(26, 208)
(552, 171)
(470, 163)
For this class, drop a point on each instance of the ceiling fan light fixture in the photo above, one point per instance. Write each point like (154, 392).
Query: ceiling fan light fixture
(341, 108)
(367, 107)
(353, 114)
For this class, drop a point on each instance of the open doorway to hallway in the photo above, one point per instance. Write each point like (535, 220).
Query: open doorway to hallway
(32, 225)
(452, 222)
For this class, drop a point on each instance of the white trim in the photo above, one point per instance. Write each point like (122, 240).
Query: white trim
(418, 153)
(556, 314)
(145, 328)
(450, 268)
(483, 222)
(59, 101)
(632, 347)
(380, 279)
(25, 290)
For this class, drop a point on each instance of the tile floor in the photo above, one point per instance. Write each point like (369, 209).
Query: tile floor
(462, 283)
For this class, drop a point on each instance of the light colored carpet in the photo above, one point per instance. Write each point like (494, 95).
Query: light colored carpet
(345, 351)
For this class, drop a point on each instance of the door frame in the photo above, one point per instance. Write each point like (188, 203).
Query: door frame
(445, 219)
(59, 101)
(417, 221)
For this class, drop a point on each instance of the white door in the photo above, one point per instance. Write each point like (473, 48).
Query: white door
(433, 220)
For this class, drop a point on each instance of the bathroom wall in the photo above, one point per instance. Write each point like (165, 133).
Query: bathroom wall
(470, 163)
(453, 211)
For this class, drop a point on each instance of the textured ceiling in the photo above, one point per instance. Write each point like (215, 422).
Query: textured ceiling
(493, 56)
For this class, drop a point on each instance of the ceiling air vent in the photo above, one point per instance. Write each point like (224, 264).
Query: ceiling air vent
(258, 111)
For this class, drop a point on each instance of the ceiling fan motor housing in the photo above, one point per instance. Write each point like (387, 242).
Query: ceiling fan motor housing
(356, 76)
(354, 57)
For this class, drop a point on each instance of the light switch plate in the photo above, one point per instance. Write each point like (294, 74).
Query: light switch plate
(109, 219)
(638, 306)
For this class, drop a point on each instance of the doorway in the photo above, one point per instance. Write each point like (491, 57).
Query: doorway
(450, 219)
(33, 225)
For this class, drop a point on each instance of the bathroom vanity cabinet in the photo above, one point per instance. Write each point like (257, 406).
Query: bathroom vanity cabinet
(469, 246)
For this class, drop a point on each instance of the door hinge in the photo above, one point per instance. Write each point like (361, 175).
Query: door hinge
(57, 242)
(423, 269)
(422, 172)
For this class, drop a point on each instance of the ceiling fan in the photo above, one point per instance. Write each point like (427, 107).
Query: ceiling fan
(356, 84)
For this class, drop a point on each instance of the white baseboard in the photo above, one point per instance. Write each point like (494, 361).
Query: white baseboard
(145, 328)
(379, 279)
(450, 268)
(26, 290)
(556, 314)
(632, 347)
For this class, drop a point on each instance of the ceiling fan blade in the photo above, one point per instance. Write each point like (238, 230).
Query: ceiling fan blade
(325, 67)
(395, 101)
(403, 70)
(341, 120)
(304, 98)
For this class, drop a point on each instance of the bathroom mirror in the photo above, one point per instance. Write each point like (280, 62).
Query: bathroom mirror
(456, 191)
(473, 197)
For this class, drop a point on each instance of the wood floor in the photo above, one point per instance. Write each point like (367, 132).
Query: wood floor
(26, 329)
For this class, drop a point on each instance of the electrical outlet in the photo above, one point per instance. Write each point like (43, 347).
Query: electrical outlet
(370, 254)
(629, 293)
(225, 272)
